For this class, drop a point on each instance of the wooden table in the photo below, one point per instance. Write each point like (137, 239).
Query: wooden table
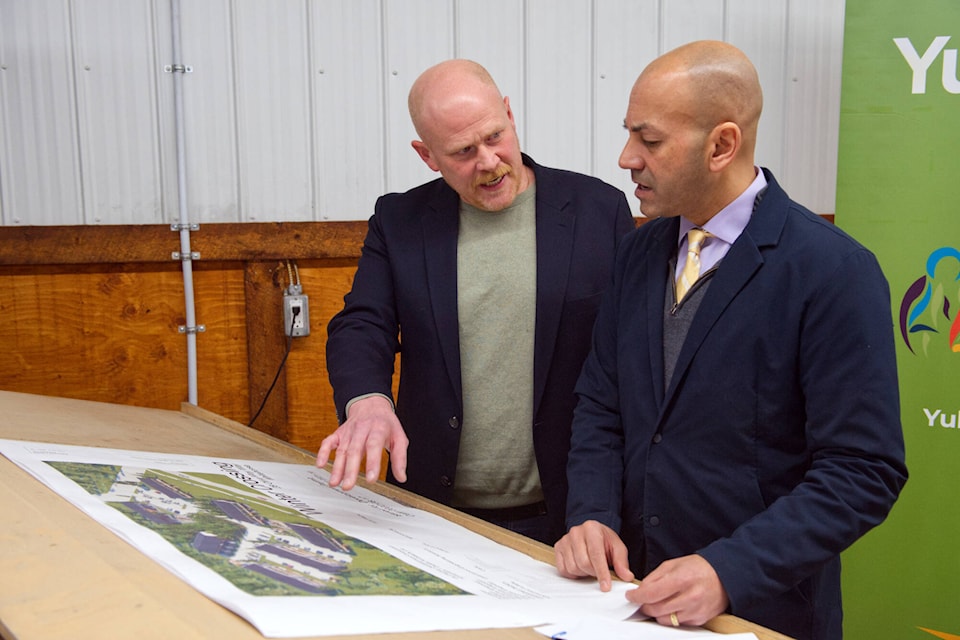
(64, 575)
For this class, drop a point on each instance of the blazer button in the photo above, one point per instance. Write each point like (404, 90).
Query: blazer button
(657, 438)
(654, 521)
(446, 481)
(454, 422)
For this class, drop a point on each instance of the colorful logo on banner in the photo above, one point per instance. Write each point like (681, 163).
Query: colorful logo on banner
(930, 308)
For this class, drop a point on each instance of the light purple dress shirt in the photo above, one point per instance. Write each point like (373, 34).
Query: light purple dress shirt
(725, 227)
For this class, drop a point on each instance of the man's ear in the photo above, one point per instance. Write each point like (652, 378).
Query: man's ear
(725, 141)
(506, 103)
(424, 152)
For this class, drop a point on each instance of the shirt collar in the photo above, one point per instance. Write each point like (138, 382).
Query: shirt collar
(730, 222)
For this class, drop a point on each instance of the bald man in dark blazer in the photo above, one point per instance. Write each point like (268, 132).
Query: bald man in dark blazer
(731, 441)
(407, 298)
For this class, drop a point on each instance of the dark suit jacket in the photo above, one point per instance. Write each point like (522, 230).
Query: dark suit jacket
(778, 441)
(407, 280)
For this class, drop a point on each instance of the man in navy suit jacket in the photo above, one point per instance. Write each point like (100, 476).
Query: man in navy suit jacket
(729, 444)
(487, 283)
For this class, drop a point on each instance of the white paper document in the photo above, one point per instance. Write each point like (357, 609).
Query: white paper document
(602, 628)
(294, 557)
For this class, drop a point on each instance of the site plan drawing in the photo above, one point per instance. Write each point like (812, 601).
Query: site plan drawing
(274, 543)
(260, 547)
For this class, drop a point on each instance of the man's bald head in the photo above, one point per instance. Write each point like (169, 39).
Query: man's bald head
(468, 134)
(719, 81)
(692, 117)
(442, 86)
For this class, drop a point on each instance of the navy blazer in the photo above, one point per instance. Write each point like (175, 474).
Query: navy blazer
(404, 298)
(776, 444)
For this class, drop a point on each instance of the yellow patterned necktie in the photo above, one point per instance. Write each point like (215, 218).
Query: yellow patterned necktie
(691, 270)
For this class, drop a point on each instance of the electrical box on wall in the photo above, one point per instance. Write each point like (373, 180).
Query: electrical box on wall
(296, 312)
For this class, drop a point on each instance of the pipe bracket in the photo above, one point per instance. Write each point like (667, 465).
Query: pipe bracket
(200, 328)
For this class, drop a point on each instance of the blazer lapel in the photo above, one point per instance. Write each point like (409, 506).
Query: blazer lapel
(739, 265)
(555, 227)
(660, 248)
(737, 268)
(440, 228)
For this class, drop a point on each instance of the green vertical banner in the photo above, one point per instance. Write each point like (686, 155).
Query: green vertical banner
(898, 192)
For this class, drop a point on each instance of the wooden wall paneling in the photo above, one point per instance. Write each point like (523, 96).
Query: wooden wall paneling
(266, 346)
(311, 413)
(94, 332)
(222, 363)
(114, 244)
(93, 312)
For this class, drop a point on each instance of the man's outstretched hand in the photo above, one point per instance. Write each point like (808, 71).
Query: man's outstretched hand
(371, 427)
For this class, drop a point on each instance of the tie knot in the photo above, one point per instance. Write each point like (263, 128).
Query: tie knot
(695, 238)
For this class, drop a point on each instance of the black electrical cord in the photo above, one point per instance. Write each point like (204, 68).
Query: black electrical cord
(296, 312)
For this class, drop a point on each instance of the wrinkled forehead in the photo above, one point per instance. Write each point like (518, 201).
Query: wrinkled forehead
(463, 119)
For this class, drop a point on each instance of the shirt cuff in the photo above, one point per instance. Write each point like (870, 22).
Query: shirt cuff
(346, 410)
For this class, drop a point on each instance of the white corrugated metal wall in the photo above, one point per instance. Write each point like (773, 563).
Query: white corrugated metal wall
(295, 110)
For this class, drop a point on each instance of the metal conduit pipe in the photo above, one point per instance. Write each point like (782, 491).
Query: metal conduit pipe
(186, 255)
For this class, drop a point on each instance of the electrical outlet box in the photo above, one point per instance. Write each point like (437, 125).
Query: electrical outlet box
(296, 315)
